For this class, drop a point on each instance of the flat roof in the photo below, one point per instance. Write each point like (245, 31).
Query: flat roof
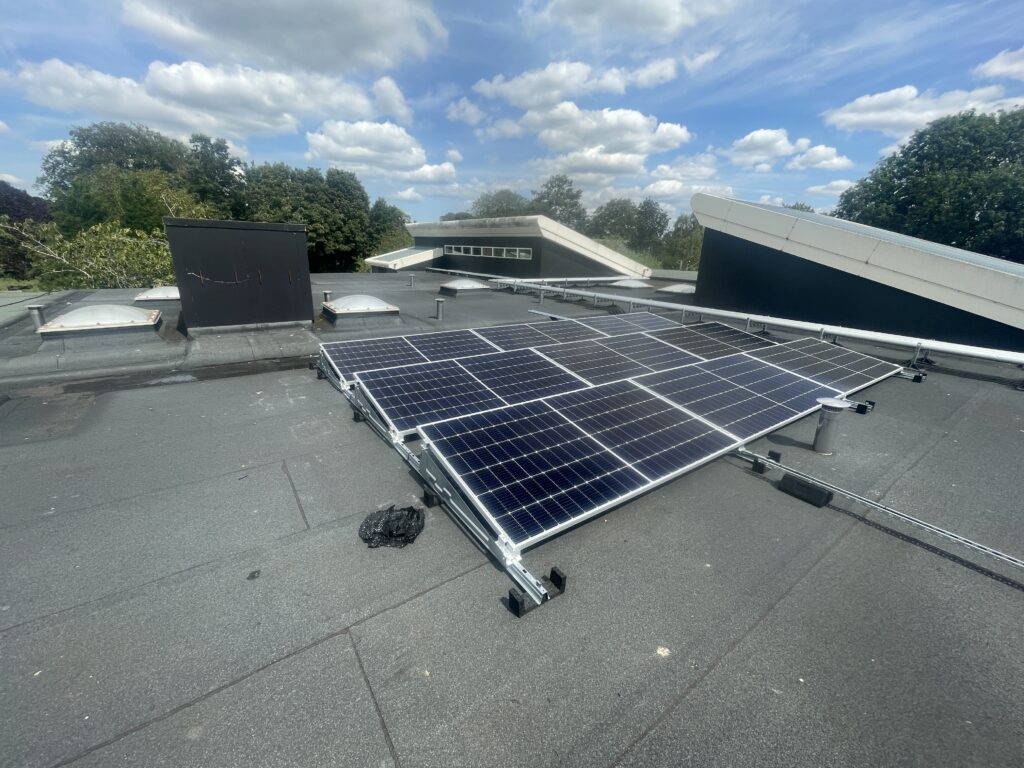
(182, 583)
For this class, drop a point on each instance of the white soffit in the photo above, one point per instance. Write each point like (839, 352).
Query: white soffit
(981, 285)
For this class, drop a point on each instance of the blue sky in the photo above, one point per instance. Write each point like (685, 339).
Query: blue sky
(432, 103)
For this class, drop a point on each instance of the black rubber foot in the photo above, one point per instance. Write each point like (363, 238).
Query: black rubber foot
(520, 603)
(775, 455)
(357, 416)
(430, 499)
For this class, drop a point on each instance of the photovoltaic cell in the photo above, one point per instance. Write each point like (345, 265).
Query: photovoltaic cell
(594, 362)
(509, 337)
(741, 340)
(648, 351)
(612, 325)
(448, 345)
(648, 321)
(649, 433)
(521, 375)
(829, 364)
(530, 470)
(368, 354)
(783, 387)
(693, 342)
(418, 394)
(566, 330)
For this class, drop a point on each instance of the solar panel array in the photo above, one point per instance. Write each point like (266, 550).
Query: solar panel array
(543, 425)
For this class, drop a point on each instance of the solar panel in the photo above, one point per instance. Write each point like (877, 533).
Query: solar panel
(367, 354)
(741, 340)
(508, 337)
(418, 394)
(829, 364)
(649, 433)
(521, 375)
(594, 362)
(648, 321)
(448, 345)
(648, 351)
(529, 470)
(612, 325)
(694, 342)
(566, 330)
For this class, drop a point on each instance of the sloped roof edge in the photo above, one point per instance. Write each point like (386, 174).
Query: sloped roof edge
(982, 285)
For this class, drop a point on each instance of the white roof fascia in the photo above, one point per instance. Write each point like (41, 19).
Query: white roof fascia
(960, 282)
(428, 254)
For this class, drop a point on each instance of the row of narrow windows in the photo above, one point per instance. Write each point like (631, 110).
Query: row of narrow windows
(488, 251)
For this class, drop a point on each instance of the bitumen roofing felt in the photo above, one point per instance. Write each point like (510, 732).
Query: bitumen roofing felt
(182, 583)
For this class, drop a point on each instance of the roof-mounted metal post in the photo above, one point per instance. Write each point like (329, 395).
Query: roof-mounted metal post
(440, 308)
(412, 280)
(828, 424)
(35, 311)
(540, 289)
(327, 296)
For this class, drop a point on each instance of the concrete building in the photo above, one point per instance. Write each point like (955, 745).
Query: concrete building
(518, 246)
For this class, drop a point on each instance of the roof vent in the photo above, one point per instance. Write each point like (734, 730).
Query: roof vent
(102, 317)
(457, 286)
(358, 305)
(630, 283)
(678, 288)
(160, 293)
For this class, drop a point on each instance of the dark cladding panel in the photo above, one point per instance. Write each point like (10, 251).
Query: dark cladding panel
(240, 273)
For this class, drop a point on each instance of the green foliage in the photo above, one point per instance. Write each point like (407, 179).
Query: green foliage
(129, 147)
(387, 228)
(651, 223)
(619, 245)
(798, 206)
(333, 206)
(499, 204)
(959, 181)
(614, 219)
(681, 245)
(102, 256)
(17, 205)
(214, 176)
(456, 216)
(559, 199)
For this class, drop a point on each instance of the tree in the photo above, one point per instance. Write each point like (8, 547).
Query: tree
(615, 219)
(456, 216)
(129, 147)
(214, 175)
(333, 206)
(499, 204)
(958, 181)
(682, 244)
(17, 205)
(651, 223)
(559, 198)
(798, 206)
(387, 228)
(102, 256)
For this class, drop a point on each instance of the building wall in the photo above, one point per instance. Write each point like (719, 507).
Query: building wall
(739, 275)
(549, 259)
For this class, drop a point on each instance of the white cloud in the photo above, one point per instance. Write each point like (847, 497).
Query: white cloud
(3, 128)
(13, 180)
(232, 101)
(317, 35)
(465, 111)
(375, 149)
(688, 168)
(820, 156)
(694, 64)
(560, 80)
(566, 127)
(1004, 64)
(680, 192)
(501, 129)
(771, 200)
(453, 155)
(761, 148)
(595, 161)
(410, 194)
(901, 111)
(659, 21)
(390, 101)
(834, 188)
(45, 145)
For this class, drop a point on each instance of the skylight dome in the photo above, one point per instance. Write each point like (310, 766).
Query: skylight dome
(98, 317)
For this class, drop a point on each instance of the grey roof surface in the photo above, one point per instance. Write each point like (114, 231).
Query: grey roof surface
(182, 583)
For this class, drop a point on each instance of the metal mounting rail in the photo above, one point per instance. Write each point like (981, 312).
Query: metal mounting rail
(949, 535)
(920, 346)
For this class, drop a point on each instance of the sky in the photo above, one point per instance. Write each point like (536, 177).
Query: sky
(433, 103)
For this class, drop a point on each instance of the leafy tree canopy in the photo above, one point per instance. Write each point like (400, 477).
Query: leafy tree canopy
(456, 216)
(798, 206)
(959, 181)
(616, 218)
(559, 199)
(387, 227)
(500, 203)
(651, 222)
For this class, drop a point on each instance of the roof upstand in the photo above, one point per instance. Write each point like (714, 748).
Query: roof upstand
(357, 305)
(102, 318)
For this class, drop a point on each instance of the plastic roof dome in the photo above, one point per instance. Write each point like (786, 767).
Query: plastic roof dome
(678, 288)
(630, 283)
(160, 293)
(101, 316)
(464, 284)
(358, 303)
